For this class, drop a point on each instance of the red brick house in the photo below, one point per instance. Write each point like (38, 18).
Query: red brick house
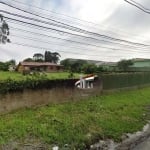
(39, 66)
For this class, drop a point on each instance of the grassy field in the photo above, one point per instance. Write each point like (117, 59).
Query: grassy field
(80, 123)
(19, 76)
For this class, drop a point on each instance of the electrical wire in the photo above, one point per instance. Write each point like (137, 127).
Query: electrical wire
(79, 29)
(138, 5)
(57, 30)
(70, 41)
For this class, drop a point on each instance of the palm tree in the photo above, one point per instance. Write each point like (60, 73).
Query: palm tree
(55, 57)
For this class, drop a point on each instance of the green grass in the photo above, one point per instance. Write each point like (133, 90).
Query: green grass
(12, 75)
(79, 123)
(19, 76)
(61, 75)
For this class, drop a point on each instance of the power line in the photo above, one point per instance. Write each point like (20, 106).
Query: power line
(59, 30)
(68, 52)
(138, 5)
(57, 13)
(50, 24)
(84, 31)
(49, 11)
(54, 25)
(81, 48)
(72, 41)
(46, 48)
(39, 40)
(56, 30)
(114, 48)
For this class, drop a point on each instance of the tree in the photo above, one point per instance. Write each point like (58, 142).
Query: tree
(100, 69)
(51, 57)
(66, 64)
(77, 66)
(89, 68)
(48, 56)
(55, 57)
(123, 65)
(28, 60)
(11, 62)
(38, 57)
(4, 31)
(4, 66)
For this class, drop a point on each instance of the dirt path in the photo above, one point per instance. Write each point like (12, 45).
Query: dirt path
(137, 141)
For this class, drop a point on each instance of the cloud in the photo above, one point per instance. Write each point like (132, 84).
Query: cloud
(112, 17)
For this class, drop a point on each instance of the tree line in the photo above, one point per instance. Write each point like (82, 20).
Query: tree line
(4, 66)
(81, 66)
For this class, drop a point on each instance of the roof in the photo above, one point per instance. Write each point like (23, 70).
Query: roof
(140, 59)
(38, 64)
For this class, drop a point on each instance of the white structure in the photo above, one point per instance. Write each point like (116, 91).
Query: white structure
(85, 82)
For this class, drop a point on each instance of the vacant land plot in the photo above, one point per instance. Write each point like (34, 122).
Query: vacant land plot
(79, 123)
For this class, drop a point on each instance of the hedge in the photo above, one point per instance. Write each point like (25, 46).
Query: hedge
(122, 80)
(10, 85)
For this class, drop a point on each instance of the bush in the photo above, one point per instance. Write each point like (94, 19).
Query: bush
(122, 80)
(34, 82)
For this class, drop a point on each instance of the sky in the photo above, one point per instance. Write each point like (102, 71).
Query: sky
(90, 19)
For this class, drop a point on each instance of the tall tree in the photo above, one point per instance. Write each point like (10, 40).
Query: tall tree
(51, 57)
(4, 31)
(48, 56)
(55, 57)
(38, 57)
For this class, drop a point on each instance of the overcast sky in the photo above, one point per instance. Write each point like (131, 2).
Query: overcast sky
(114, 18)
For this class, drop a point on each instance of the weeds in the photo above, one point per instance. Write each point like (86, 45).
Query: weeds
(79, 124)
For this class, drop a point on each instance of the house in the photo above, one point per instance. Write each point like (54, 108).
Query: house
(38, 66)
